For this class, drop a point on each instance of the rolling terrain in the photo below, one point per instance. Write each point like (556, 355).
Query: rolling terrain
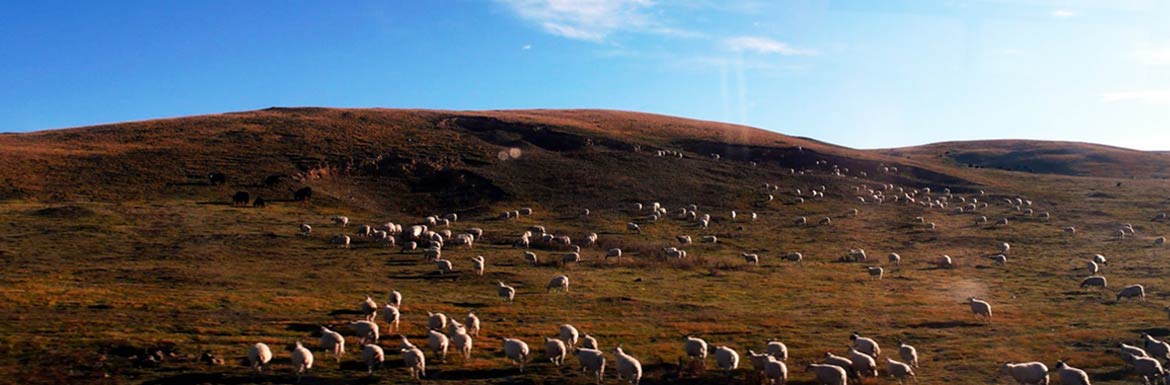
(115, 246)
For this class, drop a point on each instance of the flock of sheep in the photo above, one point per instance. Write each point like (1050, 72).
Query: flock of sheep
(860, 361)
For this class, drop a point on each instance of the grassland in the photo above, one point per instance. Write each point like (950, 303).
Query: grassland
(90, 281)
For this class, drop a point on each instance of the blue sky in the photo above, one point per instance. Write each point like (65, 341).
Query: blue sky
(865, 74)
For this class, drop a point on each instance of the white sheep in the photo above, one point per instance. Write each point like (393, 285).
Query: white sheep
(758, 360)
(373, 356)
(1100, 259)
(1156, 348)
(436, 321)
(613, 253)
(633, 227)
(1159, 241)
(999, 259)
(340, 220)
(1026, 373)
(801, 221)
(828, 374)
(895, 259)
(302, 360)
(710, 239)
(1094, 281)
(472, 322)
(842, 362)
(592, 361)
(571, 257)
(415, 360)
(444, 266)
(1132, 291)
(569, 335)
(628, 367)
(794, 257)
(778, 350)
(1001, 222)
(516, 351)
(1070, 375)
(696, 348)
(875, 272)
(899, 370)
(392, 316)
(560, 282)
(531, 258)
(726, 358)
(306, 229)
(865, 345)
(369, 309)
(438, 342)
(587, 341)
(333, 342)
(525, 211)
(341, 241)
(555, 350)
(775, 371)
(505, 292)
(258, 356)
(477, 264)
(366, 331)
(908, 353)
(751, 259)
(945, 262)
(980, 308)
(863, 363)
(1129, 352)
(1148, 368)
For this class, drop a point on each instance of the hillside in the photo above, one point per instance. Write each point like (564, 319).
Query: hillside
(1044, 157)
(120, 263)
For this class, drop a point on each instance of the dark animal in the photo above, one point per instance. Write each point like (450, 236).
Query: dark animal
(259, 202)
(273, 180)
(303, 195)
(216, 178)
(240, 199)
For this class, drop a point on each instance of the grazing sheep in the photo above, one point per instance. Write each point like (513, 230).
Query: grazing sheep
(726, 358)
(1159, 241)
(506, 292)
(633, 227)
(863, 363)
(306, 229)
(587, 341)
(392, 316)
(438, 342)
(778, 350)
(409, 246)
(341, 240)
(1156, 348)
(684, 239)
(842, 362)
(525, 211)
(980, 308)
(1100, 259)
(571, 257)
(414, 359)
(530, 257)
(373, 356)
(696, 348)
(366, 331)
(1132, 291)
(517, 351)
(908, 353)
(472, 322)
(302, 360)
(828, 374)
(592, 361)
(794, 257)
(865, 345)
(980, 220)
(825, 221)
(900, 370)
(555, 350)
(340, 220)
(258, 356)
(895, 259)
(710, 239)
(875, 272)
(1093, 267)
(801, 221)
(775, 371)
(758, 360)
(1004, 248)
(751, 259)
(369, 309)
(333, 342)
(945, 262)
(614, 253)
(1129, 352)
(1149, 368)
(436, 321)
(461, 341)
(560, 282)
(628, 367)
(999, 259)
(1026, 373)
(1094, 281)
(477, 264)
(1001, 222)
(1070, 230)
(444, 266)
(569, 335)
(364, 231)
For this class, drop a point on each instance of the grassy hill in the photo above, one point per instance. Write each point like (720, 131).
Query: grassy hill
(114, 246)
(1045, 157)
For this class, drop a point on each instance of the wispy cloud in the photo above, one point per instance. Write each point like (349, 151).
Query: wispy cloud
(764, 45)
(1063, 13)
(1150, 96)
(594, 20)
(526, 47)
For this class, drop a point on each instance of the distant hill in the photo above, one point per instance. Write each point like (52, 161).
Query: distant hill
(1044, 157)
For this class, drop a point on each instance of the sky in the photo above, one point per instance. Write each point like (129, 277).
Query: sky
(863, 74)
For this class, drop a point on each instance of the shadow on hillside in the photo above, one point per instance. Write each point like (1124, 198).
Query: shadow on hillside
(345, 312)
(431, 276)
(1155, 332)
(945, 324)
(470, 374)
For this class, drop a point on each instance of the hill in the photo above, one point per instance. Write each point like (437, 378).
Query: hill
(1045, 157)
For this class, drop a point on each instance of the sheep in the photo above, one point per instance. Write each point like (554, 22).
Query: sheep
(364, 231)
(592, 361)
(801, 221)
(302, 360)
(409, 246)
(366, 331)
(754, 216)
(1026, 373)
(828, 374)
(477, 264)
(569, 335)
(306, 229)
(1155, 347)
(340, 220)
(684, 239)
(333, 342)
(628, 367)
(674, 252)
(1132, 291)
(842, 362)
(517, 351)
(436, 321)
(1094, 281)
(341, 240)
(258, 356)
(863, 363)
(751, 259)
(392, 316)
(438, 342)
(560, 282)
(1093, 267)
(1129, 352)
(1100, 259)
(895, 259)
(461, 341)
(908, 353)
(637, 207)
(825, 221)
(696, 348)
(778, 350)
(472, 322)
(999, 259)
(1004, 248)
(571, 257)
(980, 220)
(614, 252)
(369, 309)
(433, 254)
(980, 308)
(758, 360)
(726, 358)
(554, 350)
(1159, 241)
(875, 272)
(444, 266)
(710, 239)
(1070, 375)
(454, 327)
(373, 356)
(523, 242)
(1148, 368)
(1001, 222)
(633, 228)
(900, 370)
(588, 341)
(506, 292)
(920, 220)
(865, 345)
(526, 211)
(945, 262)
(775, 371)
(414, 359)
(853, 212)
(793, 256)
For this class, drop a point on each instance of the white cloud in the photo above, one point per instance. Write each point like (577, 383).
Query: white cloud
(1063, 13)
(593, 20)
(1151, 96)
(764, 45)
(526, 47)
